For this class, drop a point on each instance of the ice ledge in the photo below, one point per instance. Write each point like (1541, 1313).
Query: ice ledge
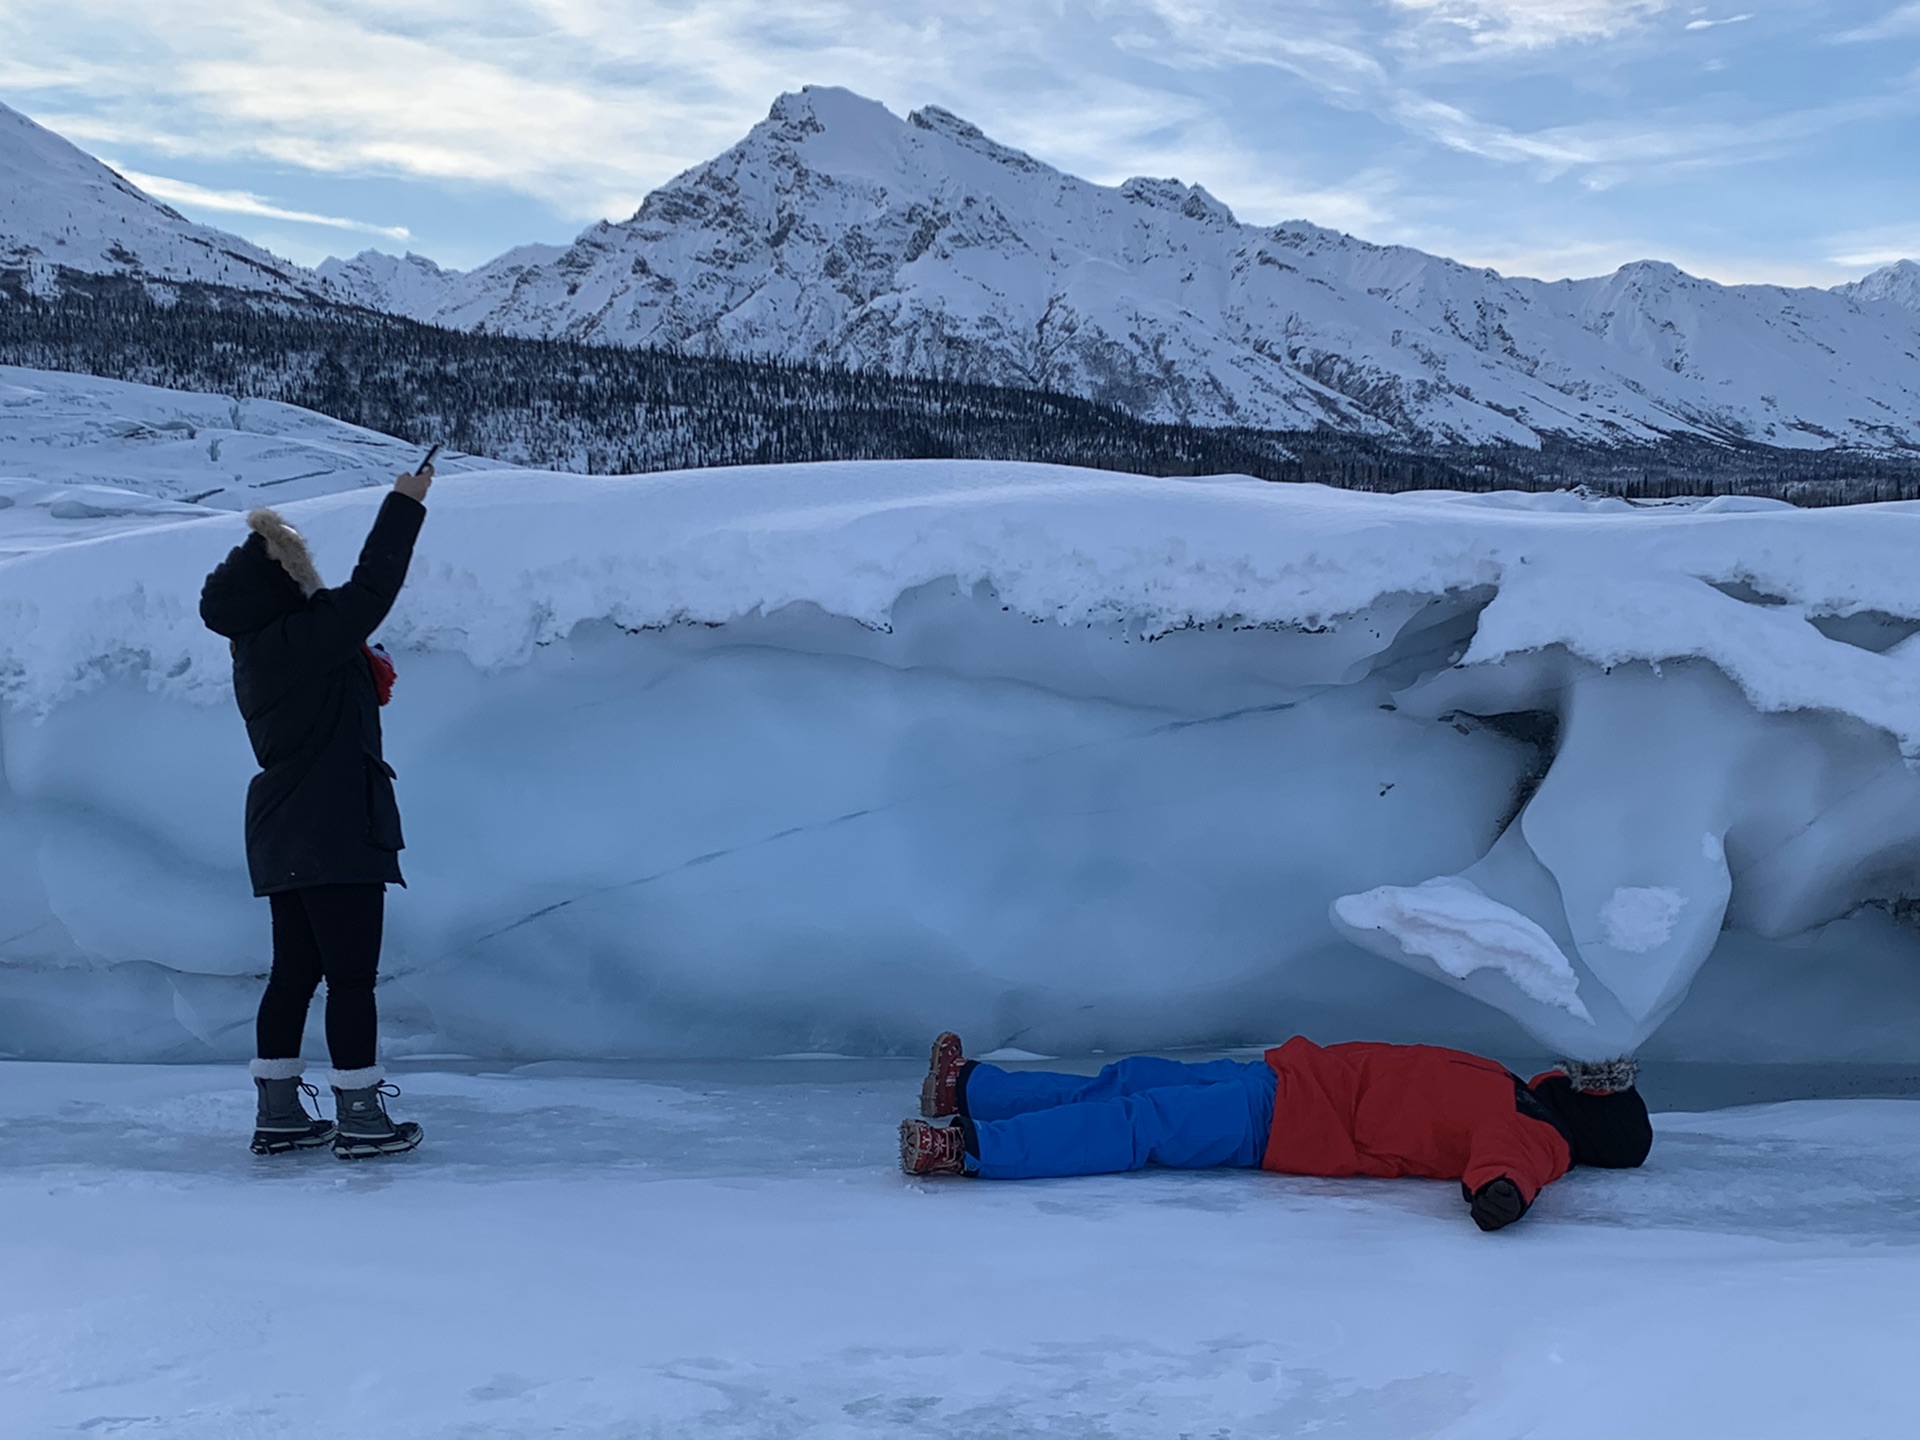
(1733, 692)
(512, 560)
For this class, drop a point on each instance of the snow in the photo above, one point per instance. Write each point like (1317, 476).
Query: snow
(1640, 918)
(1459, 927)
(838, 232)
(1897, 284)
(710, 1252)
(822, 758)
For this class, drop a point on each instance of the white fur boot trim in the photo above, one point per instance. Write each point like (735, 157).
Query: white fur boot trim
(358, 1079)
(279, 1069)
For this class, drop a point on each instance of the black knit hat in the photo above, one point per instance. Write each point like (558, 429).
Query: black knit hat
(1605, 1128)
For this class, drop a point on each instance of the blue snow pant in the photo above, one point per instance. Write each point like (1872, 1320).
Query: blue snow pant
(1142, 1111)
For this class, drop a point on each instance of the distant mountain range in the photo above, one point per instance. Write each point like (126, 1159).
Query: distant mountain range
(66, 220)
(836, 233)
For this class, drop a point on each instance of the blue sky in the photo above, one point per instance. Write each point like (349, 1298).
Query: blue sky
(1742, 140)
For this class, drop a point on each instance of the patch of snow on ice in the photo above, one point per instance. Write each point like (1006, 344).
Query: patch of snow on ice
(1640, 918)
(1459, 927)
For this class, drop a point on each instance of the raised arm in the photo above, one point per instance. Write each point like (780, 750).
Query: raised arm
(335, 623)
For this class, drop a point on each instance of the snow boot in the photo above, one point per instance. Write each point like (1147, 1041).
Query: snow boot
(933, 1149)
(281, 1122)
(940, 1091)
(366, 1130)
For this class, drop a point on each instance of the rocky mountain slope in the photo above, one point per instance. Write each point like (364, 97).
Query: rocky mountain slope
(836, 232)
(67, 220)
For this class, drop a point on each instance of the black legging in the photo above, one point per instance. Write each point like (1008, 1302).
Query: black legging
(329, 932)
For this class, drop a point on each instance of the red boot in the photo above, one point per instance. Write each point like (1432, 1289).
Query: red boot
(932, 1149)
(940, 1091)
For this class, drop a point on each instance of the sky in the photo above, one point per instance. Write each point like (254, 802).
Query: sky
(1744, 141)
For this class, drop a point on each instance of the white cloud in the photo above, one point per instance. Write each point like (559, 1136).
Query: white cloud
(1902, 20)
(1881, 245)
(1391, 118)
(1534, 24)
(245, 202)
(1716, 24)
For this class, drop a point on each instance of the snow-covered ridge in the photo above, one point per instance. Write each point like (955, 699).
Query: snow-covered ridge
(1897, 284)
(837, 232)
(63, 211)
(732, 761)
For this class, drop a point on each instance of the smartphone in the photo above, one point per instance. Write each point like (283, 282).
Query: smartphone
(424, 464)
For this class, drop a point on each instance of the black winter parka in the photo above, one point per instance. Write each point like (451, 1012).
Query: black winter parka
(322, 810)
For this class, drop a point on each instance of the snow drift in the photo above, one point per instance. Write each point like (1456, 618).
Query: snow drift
(821, 757)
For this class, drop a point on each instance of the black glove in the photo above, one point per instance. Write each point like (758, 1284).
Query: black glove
(1496, 1204)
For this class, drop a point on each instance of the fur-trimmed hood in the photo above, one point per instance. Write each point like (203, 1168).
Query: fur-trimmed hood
(272, 575)
(286, 545)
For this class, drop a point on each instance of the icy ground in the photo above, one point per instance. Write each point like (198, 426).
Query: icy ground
(727, 1251)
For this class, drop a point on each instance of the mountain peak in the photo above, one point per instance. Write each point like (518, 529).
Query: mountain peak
(817, 109)
(1898, 283)
(64, 214)
(1192, 201)
(837, 233)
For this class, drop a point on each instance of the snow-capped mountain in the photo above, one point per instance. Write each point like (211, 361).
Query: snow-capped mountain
(412, 284)
(1898, 283)
(837, 232)
(64, 215)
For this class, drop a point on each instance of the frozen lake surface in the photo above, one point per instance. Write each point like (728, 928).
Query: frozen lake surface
(727, 1250)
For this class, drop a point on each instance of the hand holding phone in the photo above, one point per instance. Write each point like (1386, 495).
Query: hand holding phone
(416, 485)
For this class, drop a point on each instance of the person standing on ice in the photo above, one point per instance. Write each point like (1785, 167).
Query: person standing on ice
(1355, 1109)
(323, 828)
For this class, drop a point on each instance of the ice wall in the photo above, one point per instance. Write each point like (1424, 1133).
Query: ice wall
(821, 758)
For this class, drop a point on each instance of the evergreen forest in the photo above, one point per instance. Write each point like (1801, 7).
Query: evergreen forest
(607, 410)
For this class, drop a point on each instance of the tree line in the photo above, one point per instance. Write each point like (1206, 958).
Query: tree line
(601, 409)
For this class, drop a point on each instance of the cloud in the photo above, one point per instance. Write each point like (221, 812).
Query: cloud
(1457, 124)
(1533, 24)
(1871, 248)
(1716, 24)
(1903, 20)
(244, 202)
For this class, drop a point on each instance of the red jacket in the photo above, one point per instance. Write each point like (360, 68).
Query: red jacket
(1391, 1110)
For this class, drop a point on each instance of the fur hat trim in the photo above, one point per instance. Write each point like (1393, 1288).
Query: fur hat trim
(358, 1079)
(288, 546)
(1602, 1077)
(279, 1069)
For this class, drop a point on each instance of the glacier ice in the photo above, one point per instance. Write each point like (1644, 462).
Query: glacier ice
(818, 758)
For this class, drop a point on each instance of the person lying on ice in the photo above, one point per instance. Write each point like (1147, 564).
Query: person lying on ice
(1355, 1109)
